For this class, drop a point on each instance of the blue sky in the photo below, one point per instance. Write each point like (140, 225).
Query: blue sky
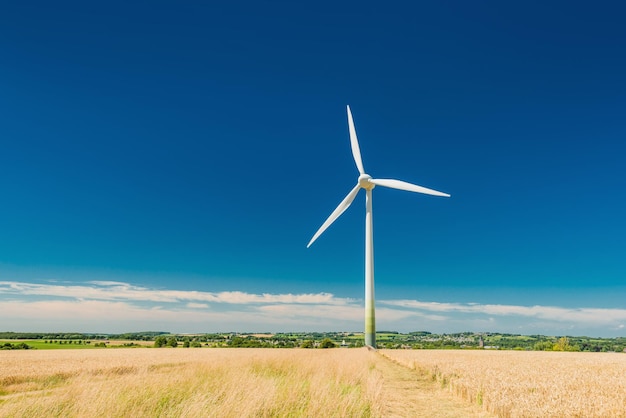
(164, 166)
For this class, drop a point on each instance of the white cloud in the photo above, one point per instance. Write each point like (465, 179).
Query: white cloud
(551, 313)
(106, 316)
(109, 290)
(107, 306)
(194, 305)
(111, 306)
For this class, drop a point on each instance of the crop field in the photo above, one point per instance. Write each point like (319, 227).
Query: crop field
(221, 382)
(527, 384)
(231, 382)
(188, 382)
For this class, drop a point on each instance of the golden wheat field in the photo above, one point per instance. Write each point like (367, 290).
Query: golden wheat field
(188, 382)
(527, 384)
(203, 382)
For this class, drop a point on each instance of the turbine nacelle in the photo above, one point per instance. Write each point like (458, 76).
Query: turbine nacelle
(365, 183)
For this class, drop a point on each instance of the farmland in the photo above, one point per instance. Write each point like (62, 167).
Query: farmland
(385, 339)
(215, 383)
(232, 382)
(527, 384)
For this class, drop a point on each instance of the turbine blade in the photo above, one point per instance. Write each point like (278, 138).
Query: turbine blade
(345, 203)
(403, 185)
(356, 152)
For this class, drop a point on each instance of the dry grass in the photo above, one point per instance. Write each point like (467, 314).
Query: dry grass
(189, 382)
(528, 384)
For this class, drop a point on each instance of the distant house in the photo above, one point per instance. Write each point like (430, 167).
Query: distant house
(344, 344)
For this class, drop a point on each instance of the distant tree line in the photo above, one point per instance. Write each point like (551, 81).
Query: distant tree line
(387, 339)
(77, 342)
(16, 346)
(136, 336)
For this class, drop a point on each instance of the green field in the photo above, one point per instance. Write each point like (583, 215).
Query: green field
(52, 345)
(73, 344)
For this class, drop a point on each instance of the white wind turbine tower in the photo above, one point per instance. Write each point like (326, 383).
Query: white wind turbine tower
(365, 181)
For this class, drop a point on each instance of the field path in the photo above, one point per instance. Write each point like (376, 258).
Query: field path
(409, 393)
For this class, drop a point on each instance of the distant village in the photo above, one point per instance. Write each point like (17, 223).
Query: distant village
(385, 339)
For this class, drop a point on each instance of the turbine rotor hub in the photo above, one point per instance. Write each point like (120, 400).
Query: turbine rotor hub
(364, 182)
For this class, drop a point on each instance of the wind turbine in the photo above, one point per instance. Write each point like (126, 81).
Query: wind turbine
(365, 181)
